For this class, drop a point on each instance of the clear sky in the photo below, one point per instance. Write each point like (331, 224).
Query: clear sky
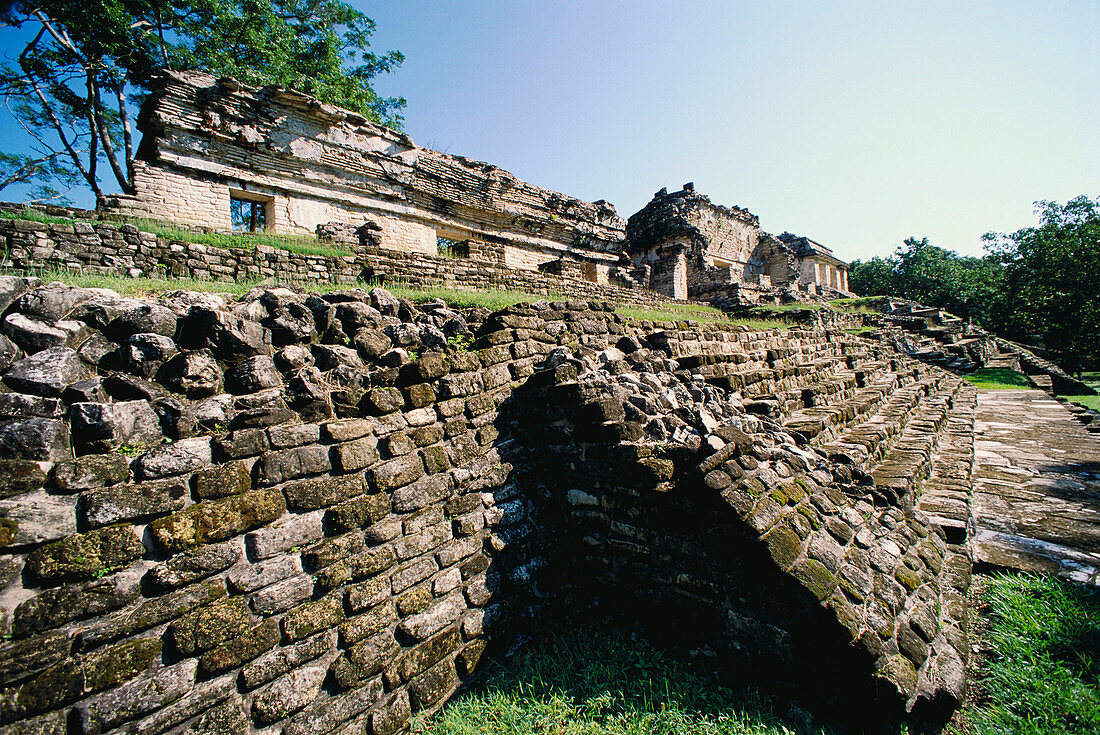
(855, 123)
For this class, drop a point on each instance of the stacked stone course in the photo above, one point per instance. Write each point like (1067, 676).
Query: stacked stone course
(310, 514)
(124, 250)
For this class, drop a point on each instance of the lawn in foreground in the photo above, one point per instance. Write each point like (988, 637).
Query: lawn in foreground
(598, 682)
(1042, 673)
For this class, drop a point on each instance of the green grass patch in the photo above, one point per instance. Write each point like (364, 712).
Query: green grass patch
(300, 244)
(673, 313)
(1042, 675)
(459, 299)
(31, 215)
(1092, 402)
(594, 682)
(998, 379)
(128, 286)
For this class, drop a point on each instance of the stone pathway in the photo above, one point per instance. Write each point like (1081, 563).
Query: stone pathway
(1036, 501)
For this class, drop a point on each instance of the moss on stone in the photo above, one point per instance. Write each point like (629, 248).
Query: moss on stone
(815, 577)
(217, 520)
(784, 545)
(908, 577)
(85, 556)
(899, 671)
(112, 666)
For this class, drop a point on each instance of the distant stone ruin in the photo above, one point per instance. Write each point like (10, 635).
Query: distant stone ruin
(217, 154)
(691, 248)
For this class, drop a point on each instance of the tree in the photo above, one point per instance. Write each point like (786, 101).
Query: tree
(931, 275)
(1051, 288)
(71, 84)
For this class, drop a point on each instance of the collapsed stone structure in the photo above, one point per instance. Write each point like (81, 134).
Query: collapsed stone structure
(212, 147)
(308, 514)
(218, 154)
(690, 247)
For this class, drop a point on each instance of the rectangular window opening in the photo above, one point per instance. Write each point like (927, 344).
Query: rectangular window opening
(249, 215)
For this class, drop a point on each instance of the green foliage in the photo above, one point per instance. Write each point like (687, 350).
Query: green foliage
(1036, 284)
(1052, 280)
(1043, 671)
(70, 87)
(460, 343)
(998, 379)
(933, 276)
(595, 682)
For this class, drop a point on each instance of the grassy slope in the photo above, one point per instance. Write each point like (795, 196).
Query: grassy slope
(454, 297)
(301, 244)
(1040, 676)
(1093, 402)
(1042, 671)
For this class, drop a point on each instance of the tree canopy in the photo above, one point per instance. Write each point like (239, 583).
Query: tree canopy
(70, 85)
(1038, 284)
(1051, 284)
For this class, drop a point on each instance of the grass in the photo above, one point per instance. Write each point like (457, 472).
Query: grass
(673, 313)
(35, 216)
(1042, 673)
(128, 286)
(300, 244)
(998, 379)
(1093, 381)
(459, 299)
(593, 682)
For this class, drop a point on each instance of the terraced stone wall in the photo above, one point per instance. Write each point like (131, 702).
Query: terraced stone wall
(124, 250)
(301, 514)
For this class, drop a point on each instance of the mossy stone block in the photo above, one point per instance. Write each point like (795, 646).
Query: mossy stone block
(85, 556)
(217, 520)
(815, 577)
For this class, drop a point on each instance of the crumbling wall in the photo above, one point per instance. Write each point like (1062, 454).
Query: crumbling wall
(304, 513)
(720, 246)
(104, 247)
(206, 139)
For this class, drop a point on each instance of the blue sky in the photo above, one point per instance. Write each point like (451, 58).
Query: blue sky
(855, 123)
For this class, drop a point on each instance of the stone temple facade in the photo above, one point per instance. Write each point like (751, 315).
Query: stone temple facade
(221, 155)
(214, 150)
(689, 247)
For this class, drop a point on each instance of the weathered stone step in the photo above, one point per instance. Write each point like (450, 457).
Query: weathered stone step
(1036, 502)
(945, 496)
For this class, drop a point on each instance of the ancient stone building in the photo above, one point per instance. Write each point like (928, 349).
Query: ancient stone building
(218, 154)
(685, 246)
(817, 265)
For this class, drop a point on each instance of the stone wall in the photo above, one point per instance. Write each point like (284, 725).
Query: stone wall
(305, 514)
(109, 248)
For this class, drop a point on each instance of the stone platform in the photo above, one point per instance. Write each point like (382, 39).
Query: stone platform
(1036, 502)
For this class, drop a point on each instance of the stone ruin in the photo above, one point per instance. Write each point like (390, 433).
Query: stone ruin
(294, 513)
(307, 514)
(220, 155)
(689, 247)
